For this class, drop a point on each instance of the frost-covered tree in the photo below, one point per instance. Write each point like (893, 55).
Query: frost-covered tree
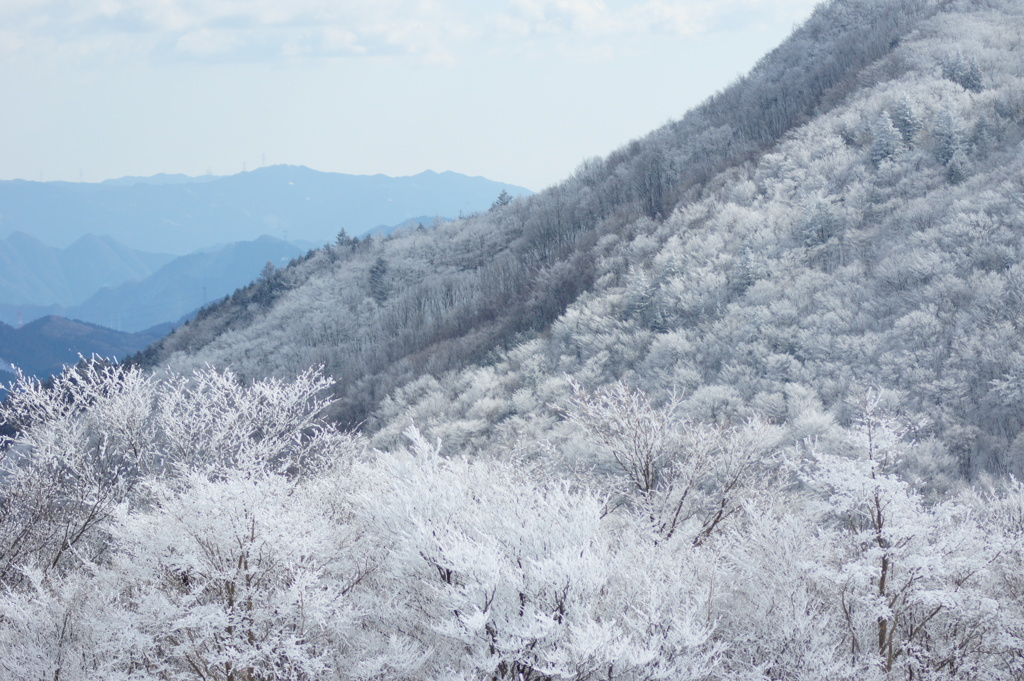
(964, 71)
(909, 576)
(887, 140)
(498, 573)
(344, 242)
(948, 136)
(690, 477)
(504, 198)
(82, 444)
(162, 526)
(905, 119)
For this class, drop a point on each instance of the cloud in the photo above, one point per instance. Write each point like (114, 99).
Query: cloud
(636, 19)
(428, 30)
(557, 16)
(244, 28)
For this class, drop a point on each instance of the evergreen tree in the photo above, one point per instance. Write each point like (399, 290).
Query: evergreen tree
(504, 198)
(343, 240)
(964, 72)
(379, 288)
(947, 136)
(956, 169)
(905, 120)
(887, 142)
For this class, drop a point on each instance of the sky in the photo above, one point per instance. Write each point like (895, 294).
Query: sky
(519, 91)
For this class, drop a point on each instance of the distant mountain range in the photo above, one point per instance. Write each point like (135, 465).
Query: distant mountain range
(139, 255)
(42, 347)
(45, 279)
(123, 319)
(183, 285)
(179, 214)
(35, 274)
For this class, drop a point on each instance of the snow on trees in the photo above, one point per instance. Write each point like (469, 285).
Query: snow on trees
(887, 141)
(717, 502)
(238, 536)
(81, 447)
(688, 476)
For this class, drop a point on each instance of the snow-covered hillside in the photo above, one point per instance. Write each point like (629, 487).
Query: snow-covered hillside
(845, 217)
(740, 401)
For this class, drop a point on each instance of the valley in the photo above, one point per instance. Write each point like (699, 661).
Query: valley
(102, 282)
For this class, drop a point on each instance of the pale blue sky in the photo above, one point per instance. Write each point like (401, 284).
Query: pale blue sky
(519, 91)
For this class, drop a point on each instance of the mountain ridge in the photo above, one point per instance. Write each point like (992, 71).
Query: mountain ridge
(477, 287)
(44, 346)
(291, 202)
(183, 285)
(35, 274)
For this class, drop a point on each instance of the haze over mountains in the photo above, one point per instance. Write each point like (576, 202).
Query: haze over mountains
(33, 273)
(168, 293)
(179, 215)
(223, 230)
(183, 285)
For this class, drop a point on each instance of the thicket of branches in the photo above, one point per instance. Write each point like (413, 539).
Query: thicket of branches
(196, 528)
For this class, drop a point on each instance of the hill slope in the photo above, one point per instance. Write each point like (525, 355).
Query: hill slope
(44, 346)
(455, 294)
(843, 217)
(879, 246)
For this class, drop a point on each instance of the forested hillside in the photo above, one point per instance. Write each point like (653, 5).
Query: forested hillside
(878, 246)
(741, 401)
(377, 314)
(842, 217)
